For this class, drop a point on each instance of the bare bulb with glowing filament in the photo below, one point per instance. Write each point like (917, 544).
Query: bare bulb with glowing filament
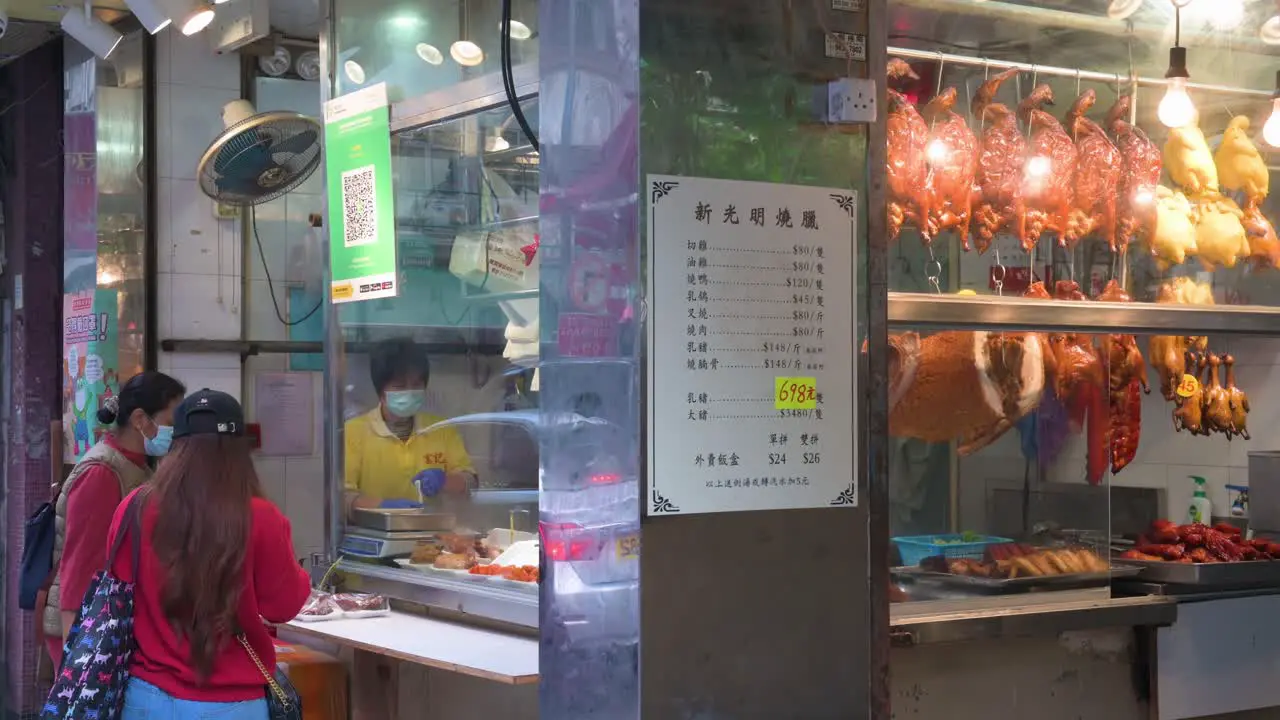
(936, 152)
(1176, 109)
(1271, 130)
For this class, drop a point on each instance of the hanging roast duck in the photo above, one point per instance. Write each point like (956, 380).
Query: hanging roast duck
(1140, 167)
(1002, 157)
(908, 172)
(1097, 181)
(952, 155)
(1050, 171)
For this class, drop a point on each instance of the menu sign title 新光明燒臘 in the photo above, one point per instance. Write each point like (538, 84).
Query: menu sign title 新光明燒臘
(751, 391)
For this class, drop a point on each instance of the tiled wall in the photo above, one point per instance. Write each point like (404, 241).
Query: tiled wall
(199, 266)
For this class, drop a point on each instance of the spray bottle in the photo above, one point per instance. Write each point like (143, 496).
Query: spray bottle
(1200, 509)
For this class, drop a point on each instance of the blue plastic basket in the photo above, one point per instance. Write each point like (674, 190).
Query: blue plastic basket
(918, 547)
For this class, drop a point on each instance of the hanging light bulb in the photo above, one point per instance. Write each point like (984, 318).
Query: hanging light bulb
(1176, 109)
(1270, 30)
(936, 152)
(1271, 130)
(466, 53)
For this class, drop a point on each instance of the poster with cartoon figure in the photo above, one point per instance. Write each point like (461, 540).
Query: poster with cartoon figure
(89, 359)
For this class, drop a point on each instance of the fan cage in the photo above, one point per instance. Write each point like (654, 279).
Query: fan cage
(299, 165)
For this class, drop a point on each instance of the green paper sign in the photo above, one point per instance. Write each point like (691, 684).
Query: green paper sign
(362, 233)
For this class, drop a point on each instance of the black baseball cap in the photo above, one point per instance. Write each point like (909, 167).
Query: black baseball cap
(208, 412)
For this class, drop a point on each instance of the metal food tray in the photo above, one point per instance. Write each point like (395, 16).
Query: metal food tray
(1255, 573)
(1019, 583)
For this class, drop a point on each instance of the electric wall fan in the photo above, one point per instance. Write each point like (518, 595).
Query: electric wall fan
(260, 156)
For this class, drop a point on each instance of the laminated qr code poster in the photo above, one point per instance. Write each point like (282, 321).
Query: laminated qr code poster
(359, 207)
(362, 245)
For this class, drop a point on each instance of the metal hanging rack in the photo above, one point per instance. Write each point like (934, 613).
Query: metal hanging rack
(1117, 78)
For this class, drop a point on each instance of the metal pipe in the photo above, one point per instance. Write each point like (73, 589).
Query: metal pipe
(1117, 78)
(1046, 17)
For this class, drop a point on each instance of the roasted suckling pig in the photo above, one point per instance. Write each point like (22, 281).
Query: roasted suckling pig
(1002, 159)
(1239, 401)
(1140, 167)
(907, 134)
(1050, 171)
(968, 385)
(1126, 383)
(952, 155)
(1098, 167)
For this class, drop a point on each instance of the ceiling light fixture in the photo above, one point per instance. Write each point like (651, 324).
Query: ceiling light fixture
(149, 15)
(354, 72)
(495, 142)
(465, 52)
(1227, 14)
(277, 63)
(1123, 9)
(1176, 109)
(429, 53)
(1270, 31)
(308, 65)
(519, 31)
(100, 38)
(190, 16)
(1271, 130)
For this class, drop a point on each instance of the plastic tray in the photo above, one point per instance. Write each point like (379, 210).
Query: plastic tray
(918, 547)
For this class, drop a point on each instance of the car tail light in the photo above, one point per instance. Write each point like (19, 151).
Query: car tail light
(568, 542)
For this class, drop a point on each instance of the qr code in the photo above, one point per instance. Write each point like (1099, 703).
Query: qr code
(359, 207)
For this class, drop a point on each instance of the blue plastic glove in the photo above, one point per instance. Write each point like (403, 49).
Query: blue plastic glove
(429, 482)
(399, 504)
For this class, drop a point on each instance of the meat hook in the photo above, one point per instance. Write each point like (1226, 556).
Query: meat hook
(934, 272)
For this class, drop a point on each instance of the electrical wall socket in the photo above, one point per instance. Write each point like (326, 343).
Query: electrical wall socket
(851, 100)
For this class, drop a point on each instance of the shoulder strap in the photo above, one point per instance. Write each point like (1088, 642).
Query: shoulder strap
(132, 526)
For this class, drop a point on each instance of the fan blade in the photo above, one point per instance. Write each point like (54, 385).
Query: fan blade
(294, 145)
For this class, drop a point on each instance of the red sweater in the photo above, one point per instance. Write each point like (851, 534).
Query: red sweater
(92, 499)
(275, 588)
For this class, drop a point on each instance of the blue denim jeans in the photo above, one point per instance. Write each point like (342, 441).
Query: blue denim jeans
(144, 701)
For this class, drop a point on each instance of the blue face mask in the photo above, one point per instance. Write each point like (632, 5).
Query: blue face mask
(158, 446)
(405, 403)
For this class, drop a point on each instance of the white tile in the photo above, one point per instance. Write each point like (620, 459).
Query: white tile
(164, 122)
(227, 381)
(263, 322)
(164, 305)
(273, 230)
(201, 361)
(205, 307)
(193, 62)
(195, 120)
(271, 474)
(196, 242)
(1143, 475)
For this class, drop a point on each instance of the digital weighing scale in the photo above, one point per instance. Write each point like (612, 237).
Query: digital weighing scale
(376, 534)
(378, 544)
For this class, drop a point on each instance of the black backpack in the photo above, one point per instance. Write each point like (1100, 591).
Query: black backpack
(38, 537)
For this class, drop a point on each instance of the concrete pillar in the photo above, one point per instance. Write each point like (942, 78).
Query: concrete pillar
(31, 88)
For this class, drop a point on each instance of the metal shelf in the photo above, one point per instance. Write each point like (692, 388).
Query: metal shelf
(1009, 313)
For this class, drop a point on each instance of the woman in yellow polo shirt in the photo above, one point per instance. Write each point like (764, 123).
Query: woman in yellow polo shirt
(392, 461)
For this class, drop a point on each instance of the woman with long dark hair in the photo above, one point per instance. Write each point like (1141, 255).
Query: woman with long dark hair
(139, 420)
(216, 559)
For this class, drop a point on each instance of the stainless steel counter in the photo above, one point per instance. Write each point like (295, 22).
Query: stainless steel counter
(923, 623)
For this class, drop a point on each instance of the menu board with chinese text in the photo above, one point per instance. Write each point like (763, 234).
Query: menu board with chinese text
(752, 292)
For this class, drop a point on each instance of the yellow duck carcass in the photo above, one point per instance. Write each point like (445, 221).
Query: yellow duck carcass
(1189, 162)
(1174, 235)
(1240, 166)
(1220, 236)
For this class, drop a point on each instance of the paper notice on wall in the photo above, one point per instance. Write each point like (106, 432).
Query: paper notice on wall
(284, 409)
(751, 315)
